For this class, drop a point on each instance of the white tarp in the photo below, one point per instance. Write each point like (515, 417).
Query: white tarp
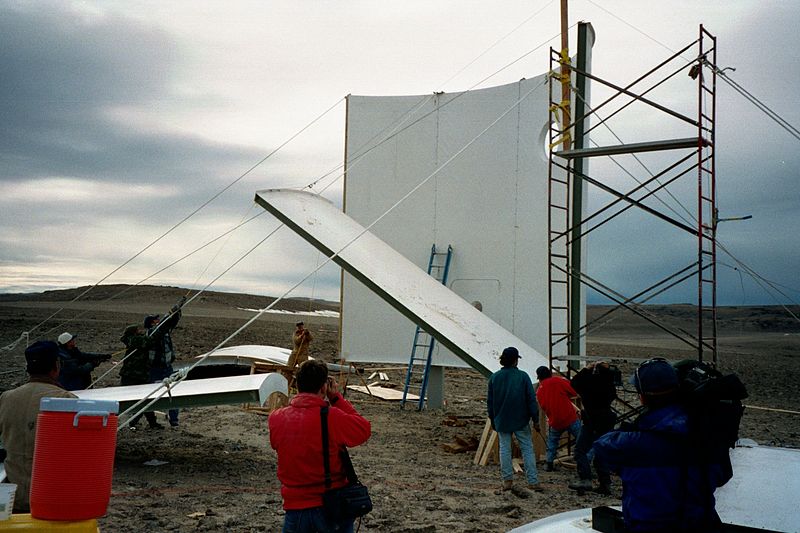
(490, 203)
(470, 334)
(766, 480)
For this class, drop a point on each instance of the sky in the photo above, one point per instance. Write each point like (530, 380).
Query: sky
(120, 119)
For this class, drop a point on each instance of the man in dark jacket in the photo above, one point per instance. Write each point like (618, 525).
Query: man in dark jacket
(666, 487)
(295, 432)
(511, 404)
(76, 366)
(136, 367)
(162, 352)
(595, 385)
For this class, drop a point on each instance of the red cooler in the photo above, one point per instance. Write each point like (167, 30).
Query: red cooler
(73, 460)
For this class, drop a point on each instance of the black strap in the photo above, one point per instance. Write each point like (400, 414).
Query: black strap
(326, 460)
(349, 471)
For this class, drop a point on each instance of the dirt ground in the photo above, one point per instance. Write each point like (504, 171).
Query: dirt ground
(220, 473)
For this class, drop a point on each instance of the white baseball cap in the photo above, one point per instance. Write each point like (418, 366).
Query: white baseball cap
(65, 337)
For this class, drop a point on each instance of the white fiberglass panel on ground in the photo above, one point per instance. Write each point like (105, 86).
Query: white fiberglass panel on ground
(195, 392)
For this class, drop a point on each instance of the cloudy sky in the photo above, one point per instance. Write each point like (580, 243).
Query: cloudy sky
(119, 119)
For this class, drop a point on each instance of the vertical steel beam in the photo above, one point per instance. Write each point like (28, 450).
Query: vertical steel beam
(576, 252)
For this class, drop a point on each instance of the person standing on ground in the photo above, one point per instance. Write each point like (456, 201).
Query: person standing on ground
(666, 485)
(511, 405)
(76, 366)
(19, 409)
(136, 367)
(595, 385)
(300, 341)
(555, 396)
(295, 433)
(161, 354)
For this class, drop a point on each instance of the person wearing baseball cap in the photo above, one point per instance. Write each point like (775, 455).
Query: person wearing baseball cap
(665, 487)
(19, 409)
(77, 366)
(511, 405)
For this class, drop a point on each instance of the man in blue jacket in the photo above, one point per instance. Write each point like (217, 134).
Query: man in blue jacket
(76, 366)
(666, 487)
(511, 404)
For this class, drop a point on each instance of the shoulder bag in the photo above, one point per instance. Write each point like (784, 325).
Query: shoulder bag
(348, 502)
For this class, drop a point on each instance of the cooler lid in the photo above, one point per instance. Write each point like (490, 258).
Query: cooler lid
(75, 405)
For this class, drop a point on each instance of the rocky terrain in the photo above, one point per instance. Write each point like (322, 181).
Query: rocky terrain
(219, 473)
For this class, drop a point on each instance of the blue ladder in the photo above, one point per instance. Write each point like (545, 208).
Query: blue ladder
(419, 365)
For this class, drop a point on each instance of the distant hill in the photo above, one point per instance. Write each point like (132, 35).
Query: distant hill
(169, 295)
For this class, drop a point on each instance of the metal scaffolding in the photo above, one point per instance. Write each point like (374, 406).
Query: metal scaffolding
(568, 226)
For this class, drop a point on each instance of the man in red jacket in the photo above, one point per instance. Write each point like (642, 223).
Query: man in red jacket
(295, 432)
(555, 396)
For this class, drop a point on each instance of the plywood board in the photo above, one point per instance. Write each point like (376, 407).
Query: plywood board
(469, 334)
(383, 393)
(196, 392)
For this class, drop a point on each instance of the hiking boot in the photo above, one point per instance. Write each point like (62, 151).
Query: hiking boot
(549, 467)
(173, 425)
(507, 484)
(535, 487)
(604, 489)
(581, 485)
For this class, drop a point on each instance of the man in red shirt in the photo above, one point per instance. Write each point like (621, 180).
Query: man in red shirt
(555, 396)
(295, 432)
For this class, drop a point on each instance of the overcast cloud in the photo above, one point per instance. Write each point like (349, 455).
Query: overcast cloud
(118, 119)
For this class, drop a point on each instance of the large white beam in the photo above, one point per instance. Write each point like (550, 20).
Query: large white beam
(195, 392)
(464, 330)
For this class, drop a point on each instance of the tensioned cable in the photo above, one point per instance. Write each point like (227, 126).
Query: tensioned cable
(358, 158)
(760, 280)
(501, 39)
(181, 375)
(438, 108)
(391, 125)
(313, 183)
(783, 123)
(187, 217)
(170, 265)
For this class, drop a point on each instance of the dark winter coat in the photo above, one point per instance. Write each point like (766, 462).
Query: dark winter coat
(665, 486)
(136, 366)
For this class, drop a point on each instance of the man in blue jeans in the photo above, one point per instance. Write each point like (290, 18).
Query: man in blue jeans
(512, 404)
(555, 396)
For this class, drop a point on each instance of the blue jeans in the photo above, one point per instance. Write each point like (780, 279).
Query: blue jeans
(313, 520)
(554, 438)
(526, 447)
(156, 375)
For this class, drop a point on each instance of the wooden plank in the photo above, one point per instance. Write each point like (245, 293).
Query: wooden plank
(492, 443)
(482, 443)
(383, 393)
